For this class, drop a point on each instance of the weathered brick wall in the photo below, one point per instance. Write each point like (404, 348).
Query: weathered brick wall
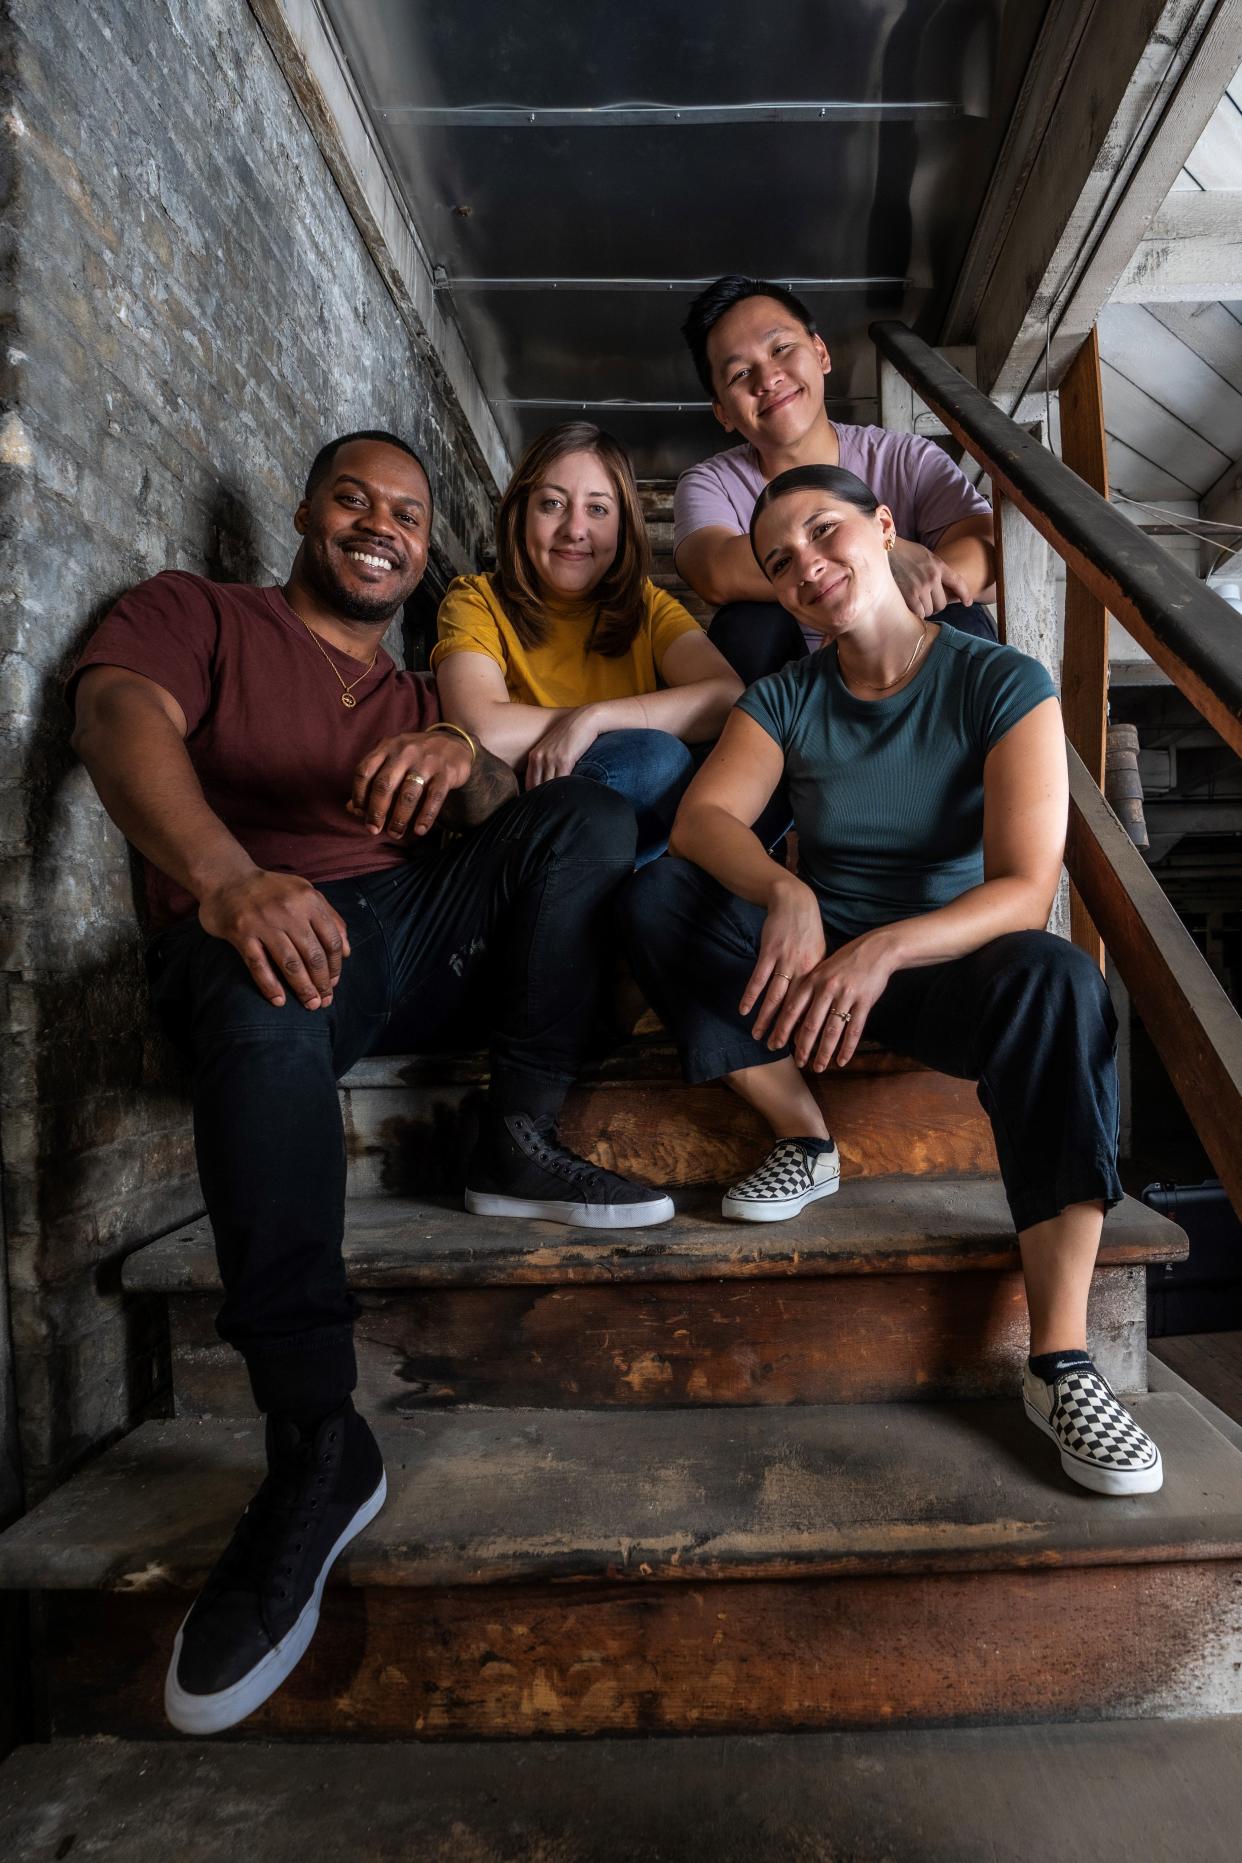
(188, 313)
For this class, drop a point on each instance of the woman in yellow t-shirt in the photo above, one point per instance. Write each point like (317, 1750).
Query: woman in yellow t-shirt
(567, 657)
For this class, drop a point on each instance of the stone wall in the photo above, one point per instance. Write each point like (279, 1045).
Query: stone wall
(188, 311)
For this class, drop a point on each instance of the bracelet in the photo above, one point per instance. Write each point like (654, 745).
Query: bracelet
(457, 731)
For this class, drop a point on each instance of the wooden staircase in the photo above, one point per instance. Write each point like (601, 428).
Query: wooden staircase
(702, 1478)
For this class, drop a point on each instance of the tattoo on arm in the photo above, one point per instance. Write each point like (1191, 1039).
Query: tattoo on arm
(490, 784)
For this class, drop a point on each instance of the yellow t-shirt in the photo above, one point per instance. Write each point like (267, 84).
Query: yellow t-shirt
(558, 672)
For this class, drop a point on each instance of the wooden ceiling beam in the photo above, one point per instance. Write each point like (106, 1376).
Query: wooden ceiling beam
(1124, 91)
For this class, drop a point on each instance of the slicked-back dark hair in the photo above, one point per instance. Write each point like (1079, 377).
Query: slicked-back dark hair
(321, 464)
(719, 298)
(834, 480)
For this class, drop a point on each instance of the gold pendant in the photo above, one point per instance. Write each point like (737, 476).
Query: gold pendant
(348, 700)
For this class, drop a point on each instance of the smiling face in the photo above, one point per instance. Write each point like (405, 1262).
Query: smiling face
(365, 531)
(767, 374)
(573, 525)
(826, 559)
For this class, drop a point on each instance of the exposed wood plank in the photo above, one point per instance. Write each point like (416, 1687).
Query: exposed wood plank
(1211, 1362)
(1084, 672)
(1143, 82)
(1159, 432)
(872, 1226)
(1191, 252)
(842, 1340)
(1079, 1643)
(1116, 1793)
(1207, 329)
(1216, 159)
(483, 1498)
(1187, 630)
(1159, 362)
(1195, 1028)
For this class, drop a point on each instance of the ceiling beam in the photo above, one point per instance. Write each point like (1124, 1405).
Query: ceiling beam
(1190, 254)
(1133, 85)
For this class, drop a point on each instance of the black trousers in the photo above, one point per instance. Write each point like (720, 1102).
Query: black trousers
(1027, 1016)
(506, 929)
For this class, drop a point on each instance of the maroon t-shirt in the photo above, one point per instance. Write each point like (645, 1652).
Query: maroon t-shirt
(271, 743)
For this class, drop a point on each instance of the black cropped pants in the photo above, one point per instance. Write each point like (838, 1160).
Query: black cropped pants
(1027, 1016)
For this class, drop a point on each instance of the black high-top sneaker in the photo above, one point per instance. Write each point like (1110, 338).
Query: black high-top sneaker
(253, 1620)
(520, 1168)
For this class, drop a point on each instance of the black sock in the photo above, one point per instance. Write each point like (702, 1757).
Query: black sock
(1050, 1365)
(308, 1422)
(816, 1145)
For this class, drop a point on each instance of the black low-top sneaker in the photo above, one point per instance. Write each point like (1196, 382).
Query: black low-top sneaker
(253, 1621)
(520, 1168)
(794, 1173)
(1102, 1447)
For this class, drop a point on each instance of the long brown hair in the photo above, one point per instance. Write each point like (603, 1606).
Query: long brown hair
(620, 597)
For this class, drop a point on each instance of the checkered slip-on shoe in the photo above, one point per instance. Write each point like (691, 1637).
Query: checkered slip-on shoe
(792, 1175)
(1101, 1445)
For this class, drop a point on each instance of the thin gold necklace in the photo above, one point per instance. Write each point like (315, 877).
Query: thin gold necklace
(871, 684)
(347, 691)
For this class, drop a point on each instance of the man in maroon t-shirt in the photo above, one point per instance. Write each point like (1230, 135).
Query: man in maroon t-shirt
(284, 779)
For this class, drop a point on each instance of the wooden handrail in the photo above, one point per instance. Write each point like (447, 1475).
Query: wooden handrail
(1196, 1030)
(1186, 628)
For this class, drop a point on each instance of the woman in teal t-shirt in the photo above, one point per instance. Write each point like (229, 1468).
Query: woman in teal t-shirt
(926, 772)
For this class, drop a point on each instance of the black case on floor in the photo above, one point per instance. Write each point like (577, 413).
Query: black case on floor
(1202, 1294)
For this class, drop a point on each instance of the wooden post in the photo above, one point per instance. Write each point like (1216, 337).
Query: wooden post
(1084, 666)
(1026, 618)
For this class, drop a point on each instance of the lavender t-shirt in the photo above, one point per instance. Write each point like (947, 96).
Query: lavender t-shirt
(914, 477)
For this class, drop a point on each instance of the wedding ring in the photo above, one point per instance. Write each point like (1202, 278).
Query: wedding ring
(420, 780)
(843, 1013)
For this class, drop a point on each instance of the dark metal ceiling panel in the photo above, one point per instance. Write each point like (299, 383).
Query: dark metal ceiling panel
(893, 197)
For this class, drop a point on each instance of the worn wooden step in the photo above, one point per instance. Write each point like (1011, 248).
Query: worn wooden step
(594, 1572)
(894, 1288)
(410, 1121)
(1139, 1792)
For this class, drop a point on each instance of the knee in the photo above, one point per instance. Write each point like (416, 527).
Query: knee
(585, 819)
(754, 637)
(657, 897)
(1056, 974)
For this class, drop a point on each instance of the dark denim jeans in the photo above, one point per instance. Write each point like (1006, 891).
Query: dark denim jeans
(651, 769)
(1027, 1016)
(505, 930)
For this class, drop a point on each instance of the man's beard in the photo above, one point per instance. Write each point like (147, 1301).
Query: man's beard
(346, 602)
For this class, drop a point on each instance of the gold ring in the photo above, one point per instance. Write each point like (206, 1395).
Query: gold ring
(786, 974)
(843, 1013)
(420, 780)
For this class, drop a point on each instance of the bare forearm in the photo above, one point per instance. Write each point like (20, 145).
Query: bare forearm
(507, 729)
(694, 713)
(490, 785)
(1010, 904)
(147, 783)
(727, 849)
(974, 559)
(723, 570)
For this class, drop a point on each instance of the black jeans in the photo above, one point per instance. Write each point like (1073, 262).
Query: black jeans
(1027, 1016)
(507, 927)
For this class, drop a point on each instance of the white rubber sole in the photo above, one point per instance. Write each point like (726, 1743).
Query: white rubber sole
(584, 1215)
(748, 1210)
(1088, 1475)
(211, 1714)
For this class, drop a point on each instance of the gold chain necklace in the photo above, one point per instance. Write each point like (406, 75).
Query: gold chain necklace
(871, 685)
(347, 691)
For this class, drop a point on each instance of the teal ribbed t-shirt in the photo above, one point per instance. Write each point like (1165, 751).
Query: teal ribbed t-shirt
(887, 794)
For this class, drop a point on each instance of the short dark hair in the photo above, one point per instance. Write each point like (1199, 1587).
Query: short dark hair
(322, 461)
(833, 479)
(718, 298)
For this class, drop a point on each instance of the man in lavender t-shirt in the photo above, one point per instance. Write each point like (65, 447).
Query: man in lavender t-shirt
(758, 355)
